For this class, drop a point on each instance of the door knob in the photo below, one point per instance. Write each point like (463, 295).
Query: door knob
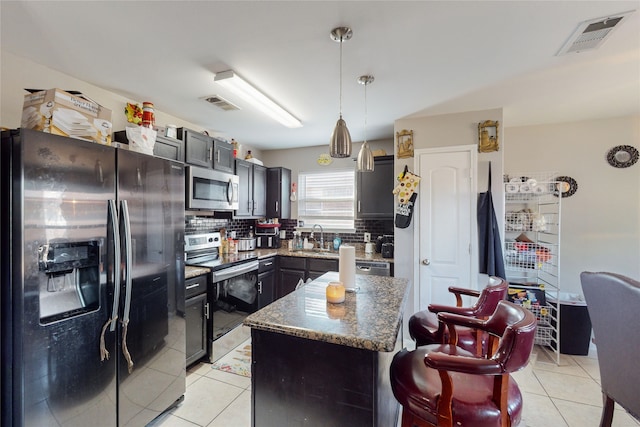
(426, 261)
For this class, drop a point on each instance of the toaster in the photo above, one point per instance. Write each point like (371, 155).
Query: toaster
(387, 250)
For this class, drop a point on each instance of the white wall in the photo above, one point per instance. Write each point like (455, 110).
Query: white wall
(601, 222)
(18, 73)
(305, 159)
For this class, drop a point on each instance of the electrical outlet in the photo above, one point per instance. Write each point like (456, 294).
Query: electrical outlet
(367, 237)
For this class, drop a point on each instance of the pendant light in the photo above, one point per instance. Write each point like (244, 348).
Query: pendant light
(340, 144)
(365, 156)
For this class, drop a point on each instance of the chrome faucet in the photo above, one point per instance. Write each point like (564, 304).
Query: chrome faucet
(321, 234)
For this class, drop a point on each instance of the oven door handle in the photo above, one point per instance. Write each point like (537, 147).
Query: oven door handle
(236, 270)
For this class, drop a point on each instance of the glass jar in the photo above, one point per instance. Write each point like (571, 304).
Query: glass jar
(335, 292)
(148, 114)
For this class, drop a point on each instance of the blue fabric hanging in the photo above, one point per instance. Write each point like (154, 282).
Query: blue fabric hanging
(489, 244)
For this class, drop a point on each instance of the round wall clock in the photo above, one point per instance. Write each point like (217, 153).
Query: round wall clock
(622, 156)
(566, 186)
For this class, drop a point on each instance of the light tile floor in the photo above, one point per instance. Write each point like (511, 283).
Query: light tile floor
(565, 395)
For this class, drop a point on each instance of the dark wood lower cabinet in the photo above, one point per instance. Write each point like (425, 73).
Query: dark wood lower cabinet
(296, 381)
(196, 327)
(288, 280)
(292, 269)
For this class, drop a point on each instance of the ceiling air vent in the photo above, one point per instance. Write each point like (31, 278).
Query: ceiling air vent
(592, 33)
(220, 102)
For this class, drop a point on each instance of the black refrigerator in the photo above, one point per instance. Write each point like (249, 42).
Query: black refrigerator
(92, 272)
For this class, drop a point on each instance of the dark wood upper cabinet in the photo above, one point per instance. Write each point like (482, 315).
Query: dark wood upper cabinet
(205, 151)
(374, 190)
(244, 170)
(169, 148)
(252, 200)
(259, 191)
(223, 156)
(278, 193)
(198, 148)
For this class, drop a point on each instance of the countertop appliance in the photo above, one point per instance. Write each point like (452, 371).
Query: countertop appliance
(267, 235)
(93, 272)
(209, 189)
(246, 244)
(233, 287)
(387, 250)
(384, 245)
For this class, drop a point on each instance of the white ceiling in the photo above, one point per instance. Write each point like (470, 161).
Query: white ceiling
(428, 58)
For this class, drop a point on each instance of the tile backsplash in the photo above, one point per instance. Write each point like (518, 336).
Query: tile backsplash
(242, 227)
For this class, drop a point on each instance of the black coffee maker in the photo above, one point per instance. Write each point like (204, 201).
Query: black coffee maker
(384, 245)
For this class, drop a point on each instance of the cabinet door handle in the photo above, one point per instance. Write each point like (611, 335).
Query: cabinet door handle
(218, 156)
(358, 205)
(206, 311)
(210, 153)
(276, 206)
(194, 285)
(260, 287)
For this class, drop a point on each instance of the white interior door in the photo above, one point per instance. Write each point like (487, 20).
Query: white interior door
(447, 205)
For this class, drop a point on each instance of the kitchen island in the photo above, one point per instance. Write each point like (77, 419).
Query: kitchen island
(321, 364)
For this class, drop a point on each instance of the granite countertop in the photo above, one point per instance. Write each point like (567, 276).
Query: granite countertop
(360, 254)
(369, 319)
(191, 271)
(226, 259)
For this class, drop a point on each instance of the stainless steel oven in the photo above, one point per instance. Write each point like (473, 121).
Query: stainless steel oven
(209, 189)
(233, 287)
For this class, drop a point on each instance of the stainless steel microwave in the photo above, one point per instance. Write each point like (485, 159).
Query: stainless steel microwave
(208, 189)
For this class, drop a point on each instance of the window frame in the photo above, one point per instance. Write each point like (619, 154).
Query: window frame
(310, 220)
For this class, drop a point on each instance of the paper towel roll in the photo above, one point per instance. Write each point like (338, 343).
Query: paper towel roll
(512, 188)
(347, 266)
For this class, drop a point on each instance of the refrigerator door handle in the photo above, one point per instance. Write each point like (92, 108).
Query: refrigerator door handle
(127, 296)
(113, 218)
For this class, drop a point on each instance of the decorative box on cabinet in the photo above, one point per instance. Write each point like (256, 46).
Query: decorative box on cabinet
(374, 190)
(252, 200)
(278, 193)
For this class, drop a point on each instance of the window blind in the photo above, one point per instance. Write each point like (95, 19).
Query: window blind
(327, 198)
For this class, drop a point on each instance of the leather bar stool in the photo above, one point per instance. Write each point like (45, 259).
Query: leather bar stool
(444, 385)
(425, 329)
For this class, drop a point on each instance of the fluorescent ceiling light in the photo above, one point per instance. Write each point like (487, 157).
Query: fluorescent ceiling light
(230, 80)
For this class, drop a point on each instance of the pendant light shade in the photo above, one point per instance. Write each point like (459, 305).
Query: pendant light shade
(340, 144)
(365, 156)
